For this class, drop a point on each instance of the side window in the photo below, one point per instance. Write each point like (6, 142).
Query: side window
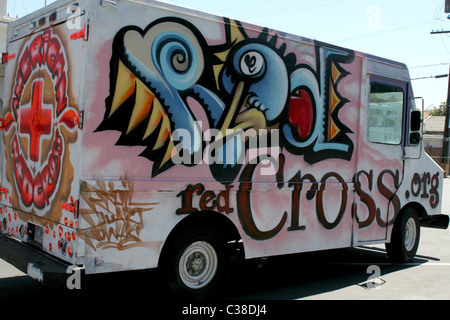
(385, 113)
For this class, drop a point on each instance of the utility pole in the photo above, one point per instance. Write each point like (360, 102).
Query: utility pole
(446, 136)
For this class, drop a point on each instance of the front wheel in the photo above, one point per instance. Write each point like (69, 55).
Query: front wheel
(405, 237)
(196, 263)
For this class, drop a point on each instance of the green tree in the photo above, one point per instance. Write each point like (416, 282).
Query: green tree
(439, 111)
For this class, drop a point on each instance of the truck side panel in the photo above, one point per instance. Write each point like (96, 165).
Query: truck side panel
(165, 74)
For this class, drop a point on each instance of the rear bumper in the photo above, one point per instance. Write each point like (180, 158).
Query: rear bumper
(38, 265)
(439, 221)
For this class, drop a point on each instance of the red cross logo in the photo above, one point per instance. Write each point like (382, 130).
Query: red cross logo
(36, 119)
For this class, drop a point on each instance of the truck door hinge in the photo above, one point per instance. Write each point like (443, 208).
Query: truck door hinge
(81, 34)
(79, 120)
(6, 57)
(71, 207)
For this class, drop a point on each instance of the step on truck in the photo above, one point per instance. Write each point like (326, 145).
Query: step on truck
(140, 135)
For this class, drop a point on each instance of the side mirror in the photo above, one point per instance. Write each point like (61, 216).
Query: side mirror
(414, 138)
(416, 120)
(415, 128)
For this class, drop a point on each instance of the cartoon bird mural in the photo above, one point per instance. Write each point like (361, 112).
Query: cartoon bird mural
(244, 84)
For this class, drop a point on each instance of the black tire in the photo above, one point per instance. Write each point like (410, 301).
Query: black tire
(405, 237)
(196, 263)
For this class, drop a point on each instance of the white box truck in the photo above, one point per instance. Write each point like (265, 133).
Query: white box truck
(139, 135)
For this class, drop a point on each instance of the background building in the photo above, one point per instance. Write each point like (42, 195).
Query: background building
(433, 128)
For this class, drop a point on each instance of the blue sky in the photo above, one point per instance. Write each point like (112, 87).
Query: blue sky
(398, 30)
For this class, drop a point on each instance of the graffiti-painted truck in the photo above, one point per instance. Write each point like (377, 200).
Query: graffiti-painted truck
(138, 134)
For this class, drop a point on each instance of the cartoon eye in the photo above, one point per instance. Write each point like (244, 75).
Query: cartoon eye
(180, 61)
(252, 64)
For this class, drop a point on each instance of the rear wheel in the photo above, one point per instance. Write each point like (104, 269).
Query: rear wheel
(196, 263)
(405, 237)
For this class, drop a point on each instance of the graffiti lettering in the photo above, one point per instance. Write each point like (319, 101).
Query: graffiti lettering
(313, 189)
(41, 188)
(316, 191)
(44, 50)
(319, 201)
(415, 182)
(389, 194)
(114, 220)
(384, 189)
(434, 199)
(365, 196)
(245, 213)
(426, 186)
(296, 183)
(208, 200)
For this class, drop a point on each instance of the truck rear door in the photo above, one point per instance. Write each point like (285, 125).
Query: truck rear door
(41, 129)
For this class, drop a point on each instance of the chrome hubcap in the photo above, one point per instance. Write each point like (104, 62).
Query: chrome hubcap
(410, 234)
(198, 265)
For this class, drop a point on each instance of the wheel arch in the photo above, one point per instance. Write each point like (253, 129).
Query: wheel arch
(202, 219)
(417, 207)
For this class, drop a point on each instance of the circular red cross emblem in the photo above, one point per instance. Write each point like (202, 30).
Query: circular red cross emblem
(39, 109)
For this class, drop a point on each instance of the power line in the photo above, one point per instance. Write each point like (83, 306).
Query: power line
(381, 32)
(431, 65)
(438, 18)
(432, 77)
(439, 31)
(24, 7)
